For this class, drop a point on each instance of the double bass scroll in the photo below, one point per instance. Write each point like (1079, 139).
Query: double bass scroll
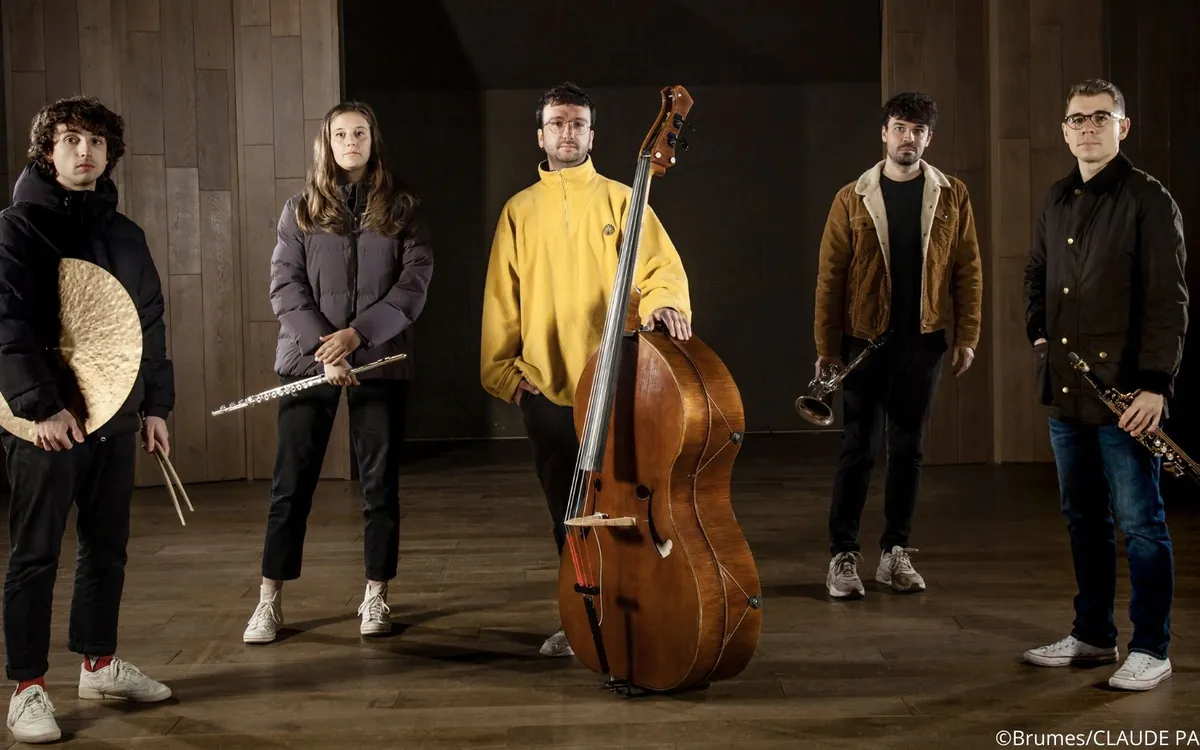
(658, 589)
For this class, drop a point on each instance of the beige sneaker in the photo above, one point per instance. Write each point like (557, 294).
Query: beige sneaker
(376, 615)
(842, 578)
(264, 624)
(896, 570)
(557, 645)
(122, 681)
(31, 717)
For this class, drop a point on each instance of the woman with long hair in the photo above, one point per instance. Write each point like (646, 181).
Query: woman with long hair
(349, 275)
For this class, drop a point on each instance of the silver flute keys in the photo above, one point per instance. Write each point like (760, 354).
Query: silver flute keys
(299, 385)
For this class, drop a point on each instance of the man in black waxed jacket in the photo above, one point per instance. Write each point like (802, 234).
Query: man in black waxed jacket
(65, 206)
(1105, 280)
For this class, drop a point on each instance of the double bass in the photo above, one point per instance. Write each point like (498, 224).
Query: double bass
(658, 589)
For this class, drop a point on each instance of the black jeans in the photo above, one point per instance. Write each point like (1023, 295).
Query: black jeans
(97, 477)
(377, 424)
(896, 385)
(551, 429)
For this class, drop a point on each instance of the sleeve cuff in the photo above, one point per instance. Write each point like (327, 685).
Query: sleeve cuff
(1035, 331)
(158, 411)
(1154, 382)
(829, 344)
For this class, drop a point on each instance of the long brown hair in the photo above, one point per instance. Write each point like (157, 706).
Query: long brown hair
(321, 207)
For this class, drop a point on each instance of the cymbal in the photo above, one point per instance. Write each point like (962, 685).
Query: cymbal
(101, 341)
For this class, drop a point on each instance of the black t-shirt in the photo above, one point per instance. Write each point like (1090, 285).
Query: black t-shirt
(903, 203)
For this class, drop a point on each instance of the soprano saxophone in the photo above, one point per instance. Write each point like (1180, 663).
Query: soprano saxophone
(299, 385)
(1175, 461)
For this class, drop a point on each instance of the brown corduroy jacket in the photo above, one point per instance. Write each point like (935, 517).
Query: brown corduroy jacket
(853, 281)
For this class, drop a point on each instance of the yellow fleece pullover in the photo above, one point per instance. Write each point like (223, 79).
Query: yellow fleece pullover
(550, 275)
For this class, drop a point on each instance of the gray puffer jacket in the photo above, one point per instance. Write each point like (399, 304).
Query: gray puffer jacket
(322, 283)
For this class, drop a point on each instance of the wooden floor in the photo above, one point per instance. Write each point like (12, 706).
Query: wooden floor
(474, 599)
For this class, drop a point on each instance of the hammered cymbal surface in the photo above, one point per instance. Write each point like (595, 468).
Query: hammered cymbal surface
(101, 341)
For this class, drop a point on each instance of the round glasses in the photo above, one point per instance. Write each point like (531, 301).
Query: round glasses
(578, 127)
(1099, 119)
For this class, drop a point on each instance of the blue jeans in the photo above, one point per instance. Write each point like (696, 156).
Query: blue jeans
(1099, 469)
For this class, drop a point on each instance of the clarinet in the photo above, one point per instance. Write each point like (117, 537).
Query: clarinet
(1175, 461)
(299, 385)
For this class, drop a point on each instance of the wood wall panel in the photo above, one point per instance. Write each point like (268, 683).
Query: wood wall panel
(209, 110)
(926, 36)
(4, 87)
(281, 68)
(1001, 103)
(1153, 61)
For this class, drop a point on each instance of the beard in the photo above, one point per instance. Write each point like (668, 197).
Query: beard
(905, 157)
(569, 157)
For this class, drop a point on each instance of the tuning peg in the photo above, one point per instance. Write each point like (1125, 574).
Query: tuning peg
(683, 144)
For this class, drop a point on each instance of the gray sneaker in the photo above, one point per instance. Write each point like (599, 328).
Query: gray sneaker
(842, 579)
(896, 570)
(557, 645)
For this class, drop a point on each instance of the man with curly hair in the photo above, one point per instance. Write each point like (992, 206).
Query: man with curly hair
(65, 206)
(899, 267)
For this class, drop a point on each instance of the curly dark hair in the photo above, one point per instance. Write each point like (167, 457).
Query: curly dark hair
(83, 112)
(911, 106)
(564, 93)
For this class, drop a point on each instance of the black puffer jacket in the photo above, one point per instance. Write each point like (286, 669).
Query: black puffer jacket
(47, 222)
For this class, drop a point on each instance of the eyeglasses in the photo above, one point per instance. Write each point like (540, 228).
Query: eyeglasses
(578, 127)
(1099, 119)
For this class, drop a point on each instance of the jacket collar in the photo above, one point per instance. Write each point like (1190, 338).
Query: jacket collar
(577, 175)
(91, 206)
(868, 187)
(869, 181)
(1104, 181)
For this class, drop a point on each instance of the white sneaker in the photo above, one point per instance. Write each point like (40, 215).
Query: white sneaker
(267, 618)
(896, 570)
(1140, 672)
(557, 645)
(842, 579)
(31, 717)
(1070, 650)
(123, 681)
(376, 615)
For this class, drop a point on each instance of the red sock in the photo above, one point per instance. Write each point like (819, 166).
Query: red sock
(101, 663)
(41, 681)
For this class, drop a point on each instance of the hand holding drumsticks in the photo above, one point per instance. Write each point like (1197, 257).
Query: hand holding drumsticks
(155, 440)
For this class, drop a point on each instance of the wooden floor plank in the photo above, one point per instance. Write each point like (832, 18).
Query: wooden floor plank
(474, 599)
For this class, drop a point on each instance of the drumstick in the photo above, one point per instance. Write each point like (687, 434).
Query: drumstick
(170, 488)
(167, 463)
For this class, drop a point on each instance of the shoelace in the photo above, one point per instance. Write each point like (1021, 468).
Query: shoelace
(1062, 645)
(846, 562)
(36, 705)
(264, 614)
(901, 563)
(125, 672)
(1137, 664)
(375, 607)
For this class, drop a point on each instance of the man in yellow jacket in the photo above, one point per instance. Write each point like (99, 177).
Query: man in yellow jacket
(553, 260)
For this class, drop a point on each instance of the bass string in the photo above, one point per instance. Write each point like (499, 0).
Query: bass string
(589, 456)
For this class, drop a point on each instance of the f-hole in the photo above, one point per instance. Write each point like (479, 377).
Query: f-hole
(663, 546)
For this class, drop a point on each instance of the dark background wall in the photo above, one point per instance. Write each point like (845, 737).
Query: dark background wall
(1152, 55)
(786, 95)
